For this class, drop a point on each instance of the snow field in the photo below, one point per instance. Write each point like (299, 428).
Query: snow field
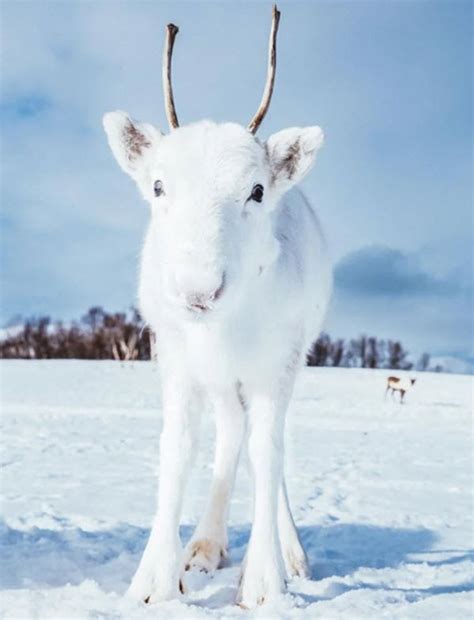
(382, 495)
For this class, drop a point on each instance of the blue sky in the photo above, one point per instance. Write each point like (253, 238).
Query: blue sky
(390, 82)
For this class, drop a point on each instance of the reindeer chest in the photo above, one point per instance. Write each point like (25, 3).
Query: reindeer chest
(221, 354)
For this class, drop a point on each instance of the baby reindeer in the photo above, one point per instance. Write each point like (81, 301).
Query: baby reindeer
(235, 282)
(399, 385)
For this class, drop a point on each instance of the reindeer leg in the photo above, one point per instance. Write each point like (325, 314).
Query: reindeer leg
(158, 575)
(294, 556)
(207, 549)
(263, 572)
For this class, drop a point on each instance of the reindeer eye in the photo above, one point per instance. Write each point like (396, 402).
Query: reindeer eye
(257, 193)
(158, 188)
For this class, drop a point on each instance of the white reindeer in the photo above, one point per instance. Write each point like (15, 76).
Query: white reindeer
(235, 282)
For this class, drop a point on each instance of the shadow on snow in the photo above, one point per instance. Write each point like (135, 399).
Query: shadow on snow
(67, 554)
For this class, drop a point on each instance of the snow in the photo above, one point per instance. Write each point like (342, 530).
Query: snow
(380, 492)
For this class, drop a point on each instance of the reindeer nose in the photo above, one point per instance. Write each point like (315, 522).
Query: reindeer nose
(203, 302)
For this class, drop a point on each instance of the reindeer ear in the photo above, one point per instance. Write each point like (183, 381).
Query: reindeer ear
(130, 142)
(292, 153)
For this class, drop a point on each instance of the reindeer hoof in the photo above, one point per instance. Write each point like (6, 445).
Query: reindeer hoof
(258, 585)
(149, 588)
(205, 554)
(296, 562)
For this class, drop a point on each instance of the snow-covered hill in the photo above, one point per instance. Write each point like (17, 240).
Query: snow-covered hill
(450, 363)
(381, 495)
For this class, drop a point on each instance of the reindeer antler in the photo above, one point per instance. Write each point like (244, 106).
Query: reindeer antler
(171, 32)
(267, 93)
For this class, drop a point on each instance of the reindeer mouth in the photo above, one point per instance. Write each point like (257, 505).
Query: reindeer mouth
(201, 304)
(199, 308)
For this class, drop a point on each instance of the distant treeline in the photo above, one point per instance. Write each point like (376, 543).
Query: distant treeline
(99, 335)
(102, 335)
(364, 352)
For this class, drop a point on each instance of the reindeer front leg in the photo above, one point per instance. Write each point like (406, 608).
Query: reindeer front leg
(207, 549)
(263, 576)
(158, 575)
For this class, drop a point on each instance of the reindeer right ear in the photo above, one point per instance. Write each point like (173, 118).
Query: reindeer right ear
(131, 142)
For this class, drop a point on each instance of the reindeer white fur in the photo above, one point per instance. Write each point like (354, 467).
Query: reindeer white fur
(235, 289)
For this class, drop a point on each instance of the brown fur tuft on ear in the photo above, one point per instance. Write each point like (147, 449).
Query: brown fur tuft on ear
(134, 141)
(291, 153)
(130, 142)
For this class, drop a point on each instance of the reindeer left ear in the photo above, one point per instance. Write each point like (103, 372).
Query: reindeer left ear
(130, 141)
(292, 153)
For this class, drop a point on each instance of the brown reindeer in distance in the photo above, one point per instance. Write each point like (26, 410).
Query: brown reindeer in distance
(397, 384)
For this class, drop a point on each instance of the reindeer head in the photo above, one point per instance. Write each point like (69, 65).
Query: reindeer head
(212, 189)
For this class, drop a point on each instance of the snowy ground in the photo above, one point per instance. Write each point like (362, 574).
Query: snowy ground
(381, 495)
